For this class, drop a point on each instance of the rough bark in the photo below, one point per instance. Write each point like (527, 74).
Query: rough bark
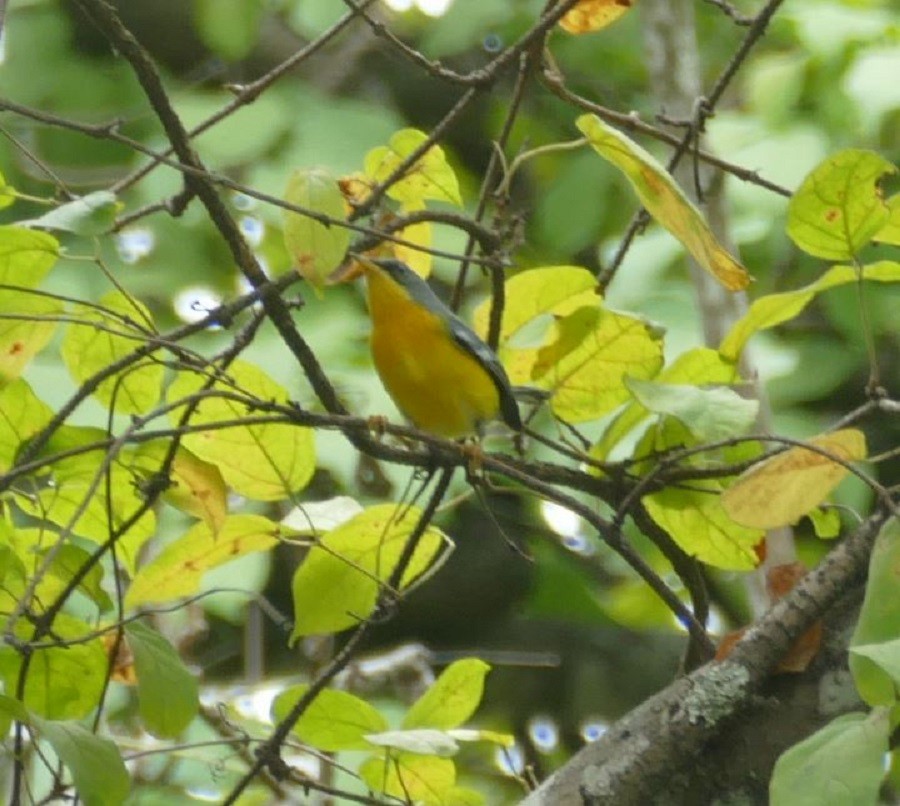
(717, 731)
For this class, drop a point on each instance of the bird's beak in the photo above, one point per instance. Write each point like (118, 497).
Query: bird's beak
(352, 269)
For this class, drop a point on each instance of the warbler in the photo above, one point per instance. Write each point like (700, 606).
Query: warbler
(438, 371)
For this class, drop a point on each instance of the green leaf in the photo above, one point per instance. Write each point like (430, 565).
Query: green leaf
(26, 256)
(32, 546)
(774, 309)
(839, 208)
(665, 201)
(452, 698)
(826, 522)
(63, 682)
(698, 523)
(22, 415)
(337, 584)
(879, 618)
(557, 290)
(26, 327)
(335, 720)
(316, 249)
(710, 414)
(267, 461)
(230, 28)
(428, 780)
(890, 232)
(11, 710)
(178, 569)
(430, 177)
(840, 764)
(97, 768)
(105, 337)
(168, 695)
(423, 741)
(587, 359)
(886, 655)
(701, 365)
(93, 214)
(77, 499)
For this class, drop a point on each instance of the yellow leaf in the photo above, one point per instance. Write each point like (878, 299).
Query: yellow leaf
(196, 487)
(665, 201)
(890, 232)
(179, 567)
(697, 522)
(839, 207)
(412, 778)
(420, 234)
(338, 582)
(592, 15)
(316, 249)
(781, 490)
(429, 177)
(263, 461)
(111, 331)
(26, 327)
(537, 292)
(585, 365)
(774, 309)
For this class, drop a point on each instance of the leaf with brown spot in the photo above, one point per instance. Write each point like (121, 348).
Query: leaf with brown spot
(592, 15)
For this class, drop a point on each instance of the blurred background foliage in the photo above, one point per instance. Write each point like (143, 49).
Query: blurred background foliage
(571, 650)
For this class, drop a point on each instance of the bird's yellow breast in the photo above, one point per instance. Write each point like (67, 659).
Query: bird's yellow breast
(437, 384)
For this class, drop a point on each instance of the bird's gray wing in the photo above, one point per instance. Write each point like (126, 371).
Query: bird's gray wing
(466, 338)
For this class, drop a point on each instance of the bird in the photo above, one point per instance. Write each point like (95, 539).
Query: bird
(442, 376)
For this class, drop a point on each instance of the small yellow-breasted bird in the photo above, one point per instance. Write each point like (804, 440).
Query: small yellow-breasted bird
(440, 374)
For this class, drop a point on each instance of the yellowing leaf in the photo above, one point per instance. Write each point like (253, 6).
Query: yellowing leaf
(890, 232)
(781, 490)
(77, 499)
(585, 366)
(335, 720)
(701, 365)
(419, 234)
(263, 461)
(179, 567)
(558, 290)
(105, 337)
(26, 256)
(427, 780)
(774, 309)
(839, 208)
(196, 487)
(22, 415)
(430, 177)
(452, 698)
(592, 15)
(26, 327)
(337, 584)
(665, 201)
(697, 522)
(316, 249)
(7, 193)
